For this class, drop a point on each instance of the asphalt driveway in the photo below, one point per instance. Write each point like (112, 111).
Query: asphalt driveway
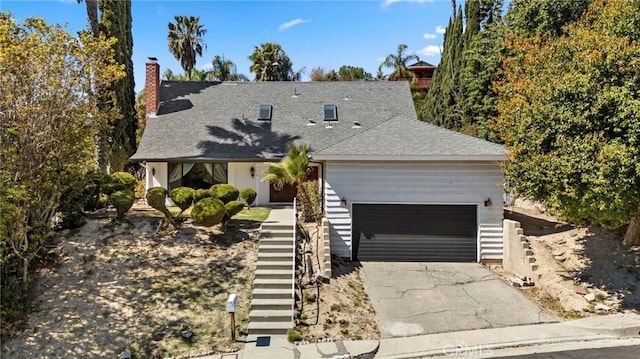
(425, 298)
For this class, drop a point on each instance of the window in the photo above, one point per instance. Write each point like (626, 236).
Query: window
(197, 175)
(264, 112)
(330, 113)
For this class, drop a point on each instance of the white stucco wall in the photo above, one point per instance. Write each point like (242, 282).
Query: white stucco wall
(239, 174)
(413, 183)
(161, 176)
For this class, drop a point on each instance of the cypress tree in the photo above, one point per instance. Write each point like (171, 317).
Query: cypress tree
(440, 102)
(115, 21)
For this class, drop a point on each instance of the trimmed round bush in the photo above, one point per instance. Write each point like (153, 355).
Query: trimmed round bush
(123, 201)
(201, 194)
(249, 195)
(156, 197)
(224, 192)
(208, 212)
(124, 178)
(110, 187)
(183, 197)
(234, 207)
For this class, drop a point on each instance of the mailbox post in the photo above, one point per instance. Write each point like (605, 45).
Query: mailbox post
(232, 302)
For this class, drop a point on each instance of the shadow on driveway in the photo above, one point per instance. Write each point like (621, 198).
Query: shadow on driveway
(426, 298)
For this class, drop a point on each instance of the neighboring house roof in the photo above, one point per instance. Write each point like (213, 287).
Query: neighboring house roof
(199, 121)
(421, 64)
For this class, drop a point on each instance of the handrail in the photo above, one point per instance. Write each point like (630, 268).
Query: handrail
(293, 272)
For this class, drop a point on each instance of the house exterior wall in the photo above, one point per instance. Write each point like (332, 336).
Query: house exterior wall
(408, 183)
(238, 175)
(161, 176)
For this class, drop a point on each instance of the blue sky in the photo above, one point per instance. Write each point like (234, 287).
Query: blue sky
(313, 33)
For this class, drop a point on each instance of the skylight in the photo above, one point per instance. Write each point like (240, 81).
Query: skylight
(330, 113)
(264, 112)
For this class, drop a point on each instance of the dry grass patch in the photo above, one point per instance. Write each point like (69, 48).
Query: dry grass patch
(108, 291)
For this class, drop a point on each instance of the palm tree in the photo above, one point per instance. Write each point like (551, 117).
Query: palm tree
(270, 63)
(222, 70)
(293, 169)
(185, 41)
(399, 64)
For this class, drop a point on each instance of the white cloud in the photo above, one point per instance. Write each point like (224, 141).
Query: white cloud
(430, 50)
(441, 29)
(429, 36)
(292, 23)
(391, 2)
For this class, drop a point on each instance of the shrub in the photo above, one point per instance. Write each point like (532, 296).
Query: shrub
(93, 191)
(202, 194)
(208, 212)
(124, 178)
(234, 207)
(140, 188)
(156, 197)
(249, 195)
(224, 192)
(123, 201)
(183, 197)
(293, 335)
(110, 187)
(315, 199)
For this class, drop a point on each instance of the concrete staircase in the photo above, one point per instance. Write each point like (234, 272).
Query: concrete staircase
(273, 291)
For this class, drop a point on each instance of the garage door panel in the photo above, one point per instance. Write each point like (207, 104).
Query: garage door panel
(414, 232)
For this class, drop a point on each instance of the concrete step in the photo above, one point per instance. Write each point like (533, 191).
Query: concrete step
(277, 233)
(262, 293)
(271, 304)
(273, 283)
(275, 248)
(262, 328)
(279, 316)
(275, 256)
(274, 265)
(274, 273)
(275, 226)
(277, 241)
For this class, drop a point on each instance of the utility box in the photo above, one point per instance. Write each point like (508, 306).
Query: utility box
(232, 302)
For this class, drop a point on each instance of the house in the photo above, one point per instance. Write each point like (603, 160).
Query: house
(423, 72)
(393, 187)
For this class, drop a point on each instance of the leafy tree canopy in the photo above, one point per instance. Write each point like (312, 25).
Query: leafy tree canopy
(569, 112)
(49, 117)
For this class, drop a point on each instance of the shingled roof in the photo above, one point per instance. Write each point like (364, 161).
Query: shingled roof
(199, 121)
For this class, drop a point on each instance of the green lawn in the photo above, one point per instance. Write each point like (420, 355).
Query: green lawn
(259, 214)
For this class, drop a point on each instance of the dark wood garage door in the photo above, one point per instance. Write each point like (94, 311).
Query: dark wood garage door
(411, 233)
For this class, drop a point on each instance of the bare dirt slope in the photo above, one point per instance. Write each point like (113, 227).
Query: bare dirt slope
(338, 310)
(107, 291)
(585, 270)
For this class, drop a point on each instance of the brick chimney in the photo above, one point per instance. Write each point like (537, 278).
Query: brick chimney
(152, 86)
